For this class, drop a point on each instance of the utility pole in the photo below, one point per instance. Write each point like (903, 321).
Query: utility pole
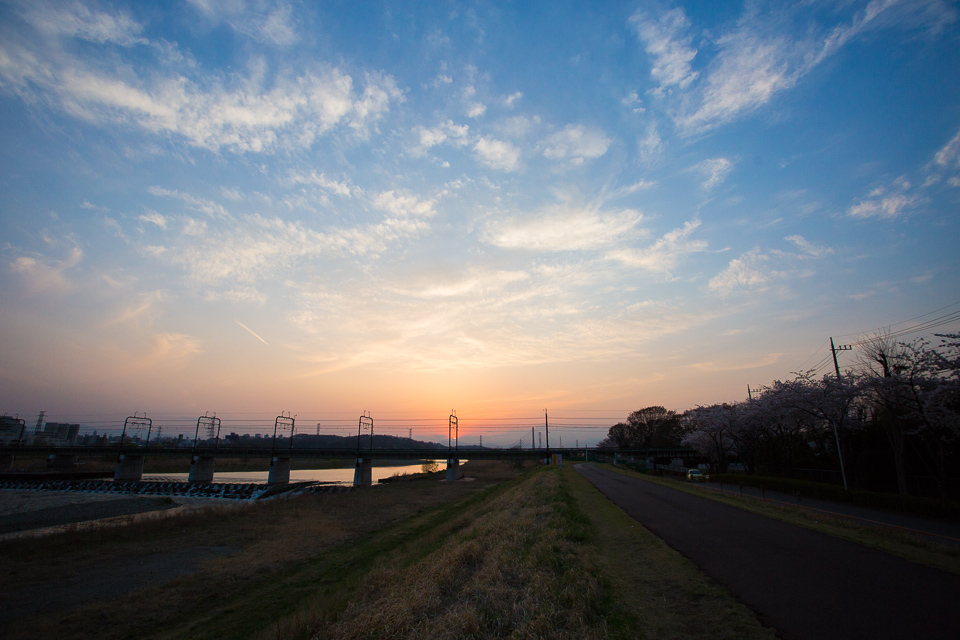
(833, 350)
(546, 423)
(836, 434)
(533, 440)
(410, 434)
(481, 441)
(540, 439)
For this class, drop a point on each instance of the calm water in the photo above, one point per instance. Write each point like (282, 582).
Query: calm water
(335, 476)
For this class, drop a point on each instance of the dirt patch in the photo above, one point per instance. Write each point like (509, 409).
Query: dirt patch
(72, 512)
(105, 581)
(13, 502)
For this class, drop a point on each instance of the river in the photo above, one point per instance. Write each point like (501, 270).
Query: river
(328, 476)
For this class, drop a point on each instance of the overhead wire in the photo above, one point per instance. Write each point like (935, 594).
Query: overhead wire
(924, 315)
(933, 323)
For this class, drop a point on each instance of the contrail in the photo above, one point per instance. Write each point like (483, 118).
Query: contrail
(252, 332)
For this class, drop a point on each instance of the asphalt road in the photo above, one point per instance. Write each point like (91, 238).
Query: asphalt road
(940, 531)
(802, 583)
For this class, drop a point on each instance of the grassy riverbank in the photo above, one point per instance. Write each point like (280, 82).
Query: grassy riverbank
(512, 553)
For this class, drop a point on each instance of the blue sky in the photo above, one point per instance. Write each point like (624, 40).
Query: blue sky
(329, 207)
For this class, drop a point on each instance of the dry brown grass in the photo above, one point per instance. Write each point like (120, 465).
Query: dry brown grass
(543, 555)
(512, 568)
(270, 540)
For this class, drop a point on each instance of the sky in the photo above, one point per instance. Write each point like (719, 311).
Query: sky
(251, 207)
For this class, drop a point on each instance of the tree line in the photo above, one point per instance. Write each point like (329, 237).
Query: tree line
(889, 423)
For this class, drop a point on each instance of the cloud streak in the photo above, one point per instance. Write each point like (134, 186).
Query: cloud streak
(251, 332)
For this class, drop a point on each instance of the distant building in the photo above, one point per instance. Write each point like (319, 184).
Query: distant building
(10, 429)
(61, 432)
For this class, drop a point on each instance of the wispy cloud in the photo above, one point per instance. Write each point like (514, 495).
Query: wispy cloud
(201, 205)
(254, 113)
(510, 100)
(667, 41)
(807, 247)
(476, 281)
(254, 248)
(173, 346)
(44, 274)
(650, 145)
(663, 255)
(757, 59)
(269, 22)
(446, 132)
(884, 204)
(474, 108)
(76, 20)
(497, 154)
(483, 318)
(404, 204)
(715, 170)
(945, 161)
(576, 143)
(887, 201)
(948, 156)
(756, 269)
(901, 197)
(154, 218)
(749, 271)
(340, 188)
(562, 228)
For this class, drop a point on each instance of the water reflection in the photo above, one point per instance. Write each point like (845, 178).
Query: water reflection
(329, 476)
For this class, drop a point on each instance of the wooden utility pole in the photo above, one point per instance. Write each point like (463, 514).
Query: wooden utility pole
(836, 433)
(546, 423)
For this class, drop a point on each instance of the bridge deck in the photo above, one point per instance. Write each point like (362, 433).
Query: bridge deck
(226, 451)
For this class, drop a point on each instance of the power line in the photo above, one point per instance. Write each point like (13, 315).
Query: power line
(924, 326)
(930, 313)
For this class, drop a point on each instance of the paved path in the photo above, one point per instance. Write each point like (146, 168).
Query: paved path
(938, 530)
(803, 583)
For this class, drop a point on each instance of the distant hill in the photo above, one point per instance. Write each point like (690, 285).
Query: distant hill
(309, 441)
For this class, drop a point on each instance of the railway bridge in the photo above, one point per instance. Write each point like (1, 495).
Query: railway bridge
(130, 458)
(203, 456)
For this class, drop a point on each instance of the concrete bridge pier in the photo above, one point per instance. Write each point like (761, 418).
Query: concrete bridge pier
(453, 469)
(6, 462)
(129, 468)
(363, 472)
(279, 471)
(201, 470)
